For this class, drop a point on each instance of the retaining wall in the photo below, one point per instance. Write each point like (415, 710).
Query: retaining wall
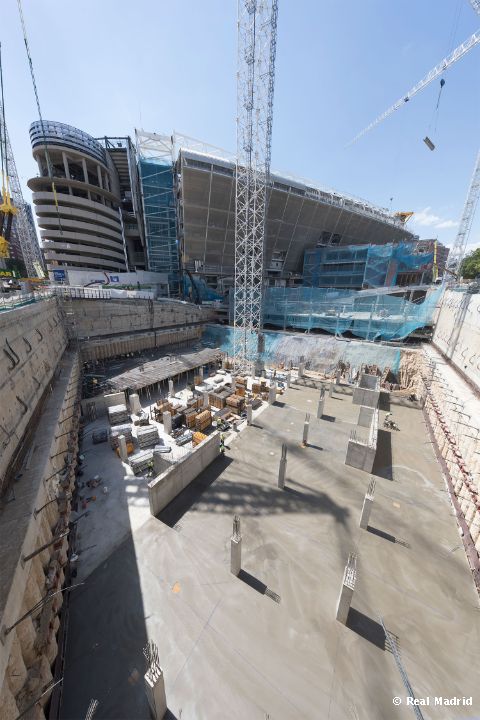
(165, 487)
(33, 340)
(457, 333)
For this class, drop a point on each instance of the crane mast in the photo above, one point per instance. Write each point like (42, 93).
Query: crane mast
(22, 225)
(257, 33)
(457, 252)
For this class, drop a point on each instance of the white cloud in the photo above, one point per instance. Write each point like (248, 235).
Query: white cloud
(426, 218)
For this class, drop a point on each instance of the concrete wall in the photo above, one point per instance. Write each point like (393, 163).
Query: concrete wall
(28, 651)
(361, 450)
(100, 348)
(164, 488)
(33, 340)
(457, 333)
(100, 318)
(367, 391)
(365, 416)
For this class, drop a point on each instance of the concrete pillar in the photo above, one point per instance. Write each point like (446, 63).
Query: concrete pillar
(272, 393)
(167, 422)
(306, 427)
(338, 375)
(135, 406)
(159, 462)
(330, 390)
(346, 591)
(200, 372)
(249, 414)
(122, 448)
(236, 547)
(301, 369)
(170, 387)
(155, 690)
(289, 379)
(205, 400)
(283, 467)
(367, 505)
(321, 403)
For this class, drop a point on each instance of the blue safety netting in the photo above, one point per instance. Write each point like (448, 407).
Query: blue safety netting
(363, 266)
(321, 352)
(369, 315)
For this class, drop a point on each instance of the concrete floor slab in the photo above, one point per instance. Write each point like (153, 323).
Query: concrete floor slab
(267, 642)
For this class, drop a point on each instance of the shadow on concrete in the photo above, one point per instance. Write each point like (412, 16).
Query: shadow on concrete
(193, 492)
(106, 637)
(381, 533)
(279, 404)
(328, 418)
(335, 397)
(382, 466)
(366, 627)
(315, 447)
(258, 585)
(384, 401)
(252, 582)
(234, 492)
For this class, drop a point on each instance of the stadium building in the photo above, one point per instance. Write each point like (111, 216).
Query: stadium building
(167, 204)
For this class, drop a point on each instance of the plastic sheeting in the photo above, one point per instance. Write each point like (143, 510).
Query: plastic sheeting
(319, 352)
(367, 315)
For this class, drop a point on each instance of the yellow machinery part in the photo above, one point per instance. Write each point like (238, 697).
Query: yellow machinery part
(4, 251)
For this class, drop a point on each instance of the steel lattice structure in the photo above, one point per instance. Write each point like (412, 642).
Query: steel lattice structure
(257, 34)
(457, 253)
(21, 222)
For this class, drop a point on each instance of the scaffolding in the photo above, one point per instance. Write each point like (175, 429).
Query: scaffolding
(155, 161)
(363, 266)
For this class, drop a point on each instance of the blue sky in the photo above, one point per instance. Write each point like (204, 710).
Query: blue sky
(108, 66)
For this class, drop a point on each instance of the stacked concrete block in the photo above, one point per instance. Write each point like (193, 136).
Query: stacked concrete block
(361, 449)
(367, 390)
(147, 436)
(118, 414)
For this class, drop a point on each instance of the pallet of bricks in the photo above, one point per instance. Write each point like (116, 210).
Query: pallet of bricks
(258, 388)
(161, 407)
(147, 436)
(190, 417)
(236, 403)
(218, 399)
(198, 437)
(115, 432)
(203, 420)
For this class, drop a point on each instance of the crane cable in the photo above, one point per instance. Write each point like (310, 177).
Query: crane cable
(32, 73)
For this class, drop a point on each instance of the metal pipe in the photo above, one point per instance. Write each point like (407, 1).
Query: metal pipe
(25, 558)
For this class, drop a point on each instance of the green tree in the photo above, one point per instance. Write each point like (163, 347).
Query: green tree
(471, 265)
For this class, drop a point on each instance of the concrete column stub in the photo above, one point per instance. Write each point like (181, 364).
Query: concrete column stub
(167, 422)
(347, 588)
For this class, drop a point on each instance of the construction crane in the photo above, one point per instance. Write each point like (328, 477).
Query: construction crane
(13, 209)
(457, 253)
(447, 62)
(257, 37)
(7, 208)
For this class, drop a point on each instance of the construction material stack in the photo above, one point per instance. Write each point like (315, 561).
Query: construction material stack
(203, 420)
(147, 436)
(115, 432)
(198, 437)
(141, 461)
(118, 414)
(236, 403)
